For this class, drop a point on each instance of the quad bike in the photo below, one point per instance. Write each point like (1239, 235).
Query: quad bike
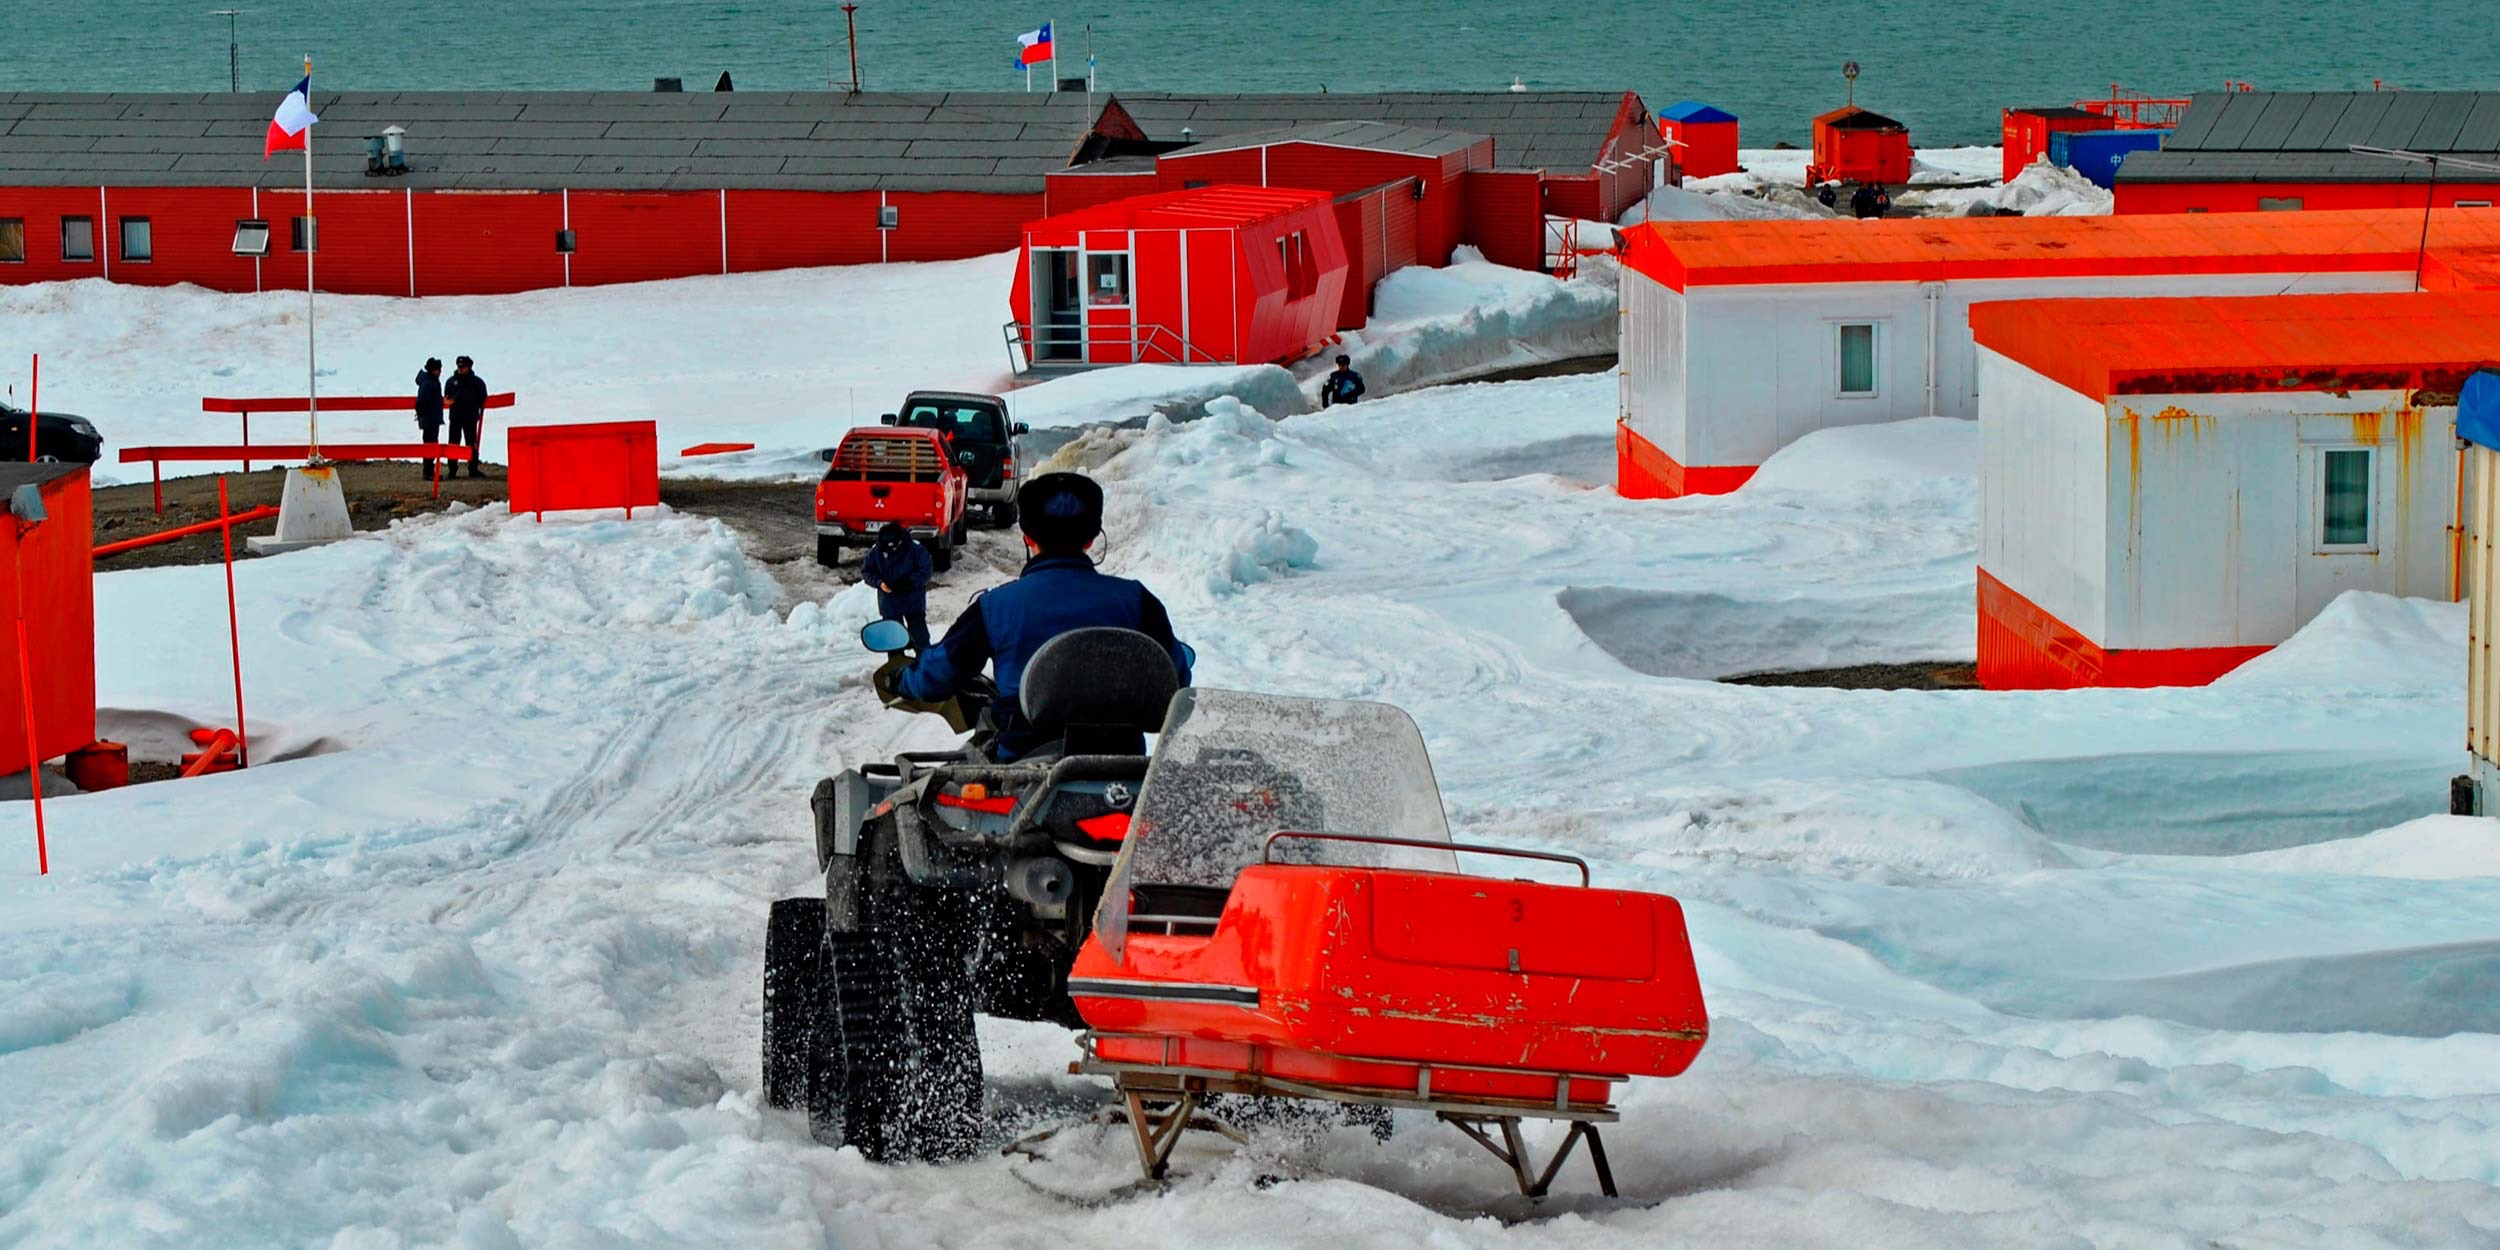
(1269, 907)
(952, 884)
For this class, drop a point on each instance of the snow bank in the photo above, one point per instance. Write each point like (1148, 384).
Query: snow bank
(2046, 190)
(1860, 458)
(2369, 639)
(2434, 848)
(1432, 326)
(1892, 831)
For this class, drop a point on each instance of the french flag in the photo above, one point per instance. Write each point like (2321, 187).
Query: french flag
(1036, 46)
(294, 120)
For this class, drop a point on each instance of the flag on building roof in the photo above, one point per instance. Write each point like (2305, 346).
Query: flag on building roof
(1036, 46)
(294, 119)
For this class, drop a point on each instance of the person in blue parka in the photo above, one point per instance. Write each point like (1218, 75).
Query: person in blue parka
(1060, 590)
(899, 568)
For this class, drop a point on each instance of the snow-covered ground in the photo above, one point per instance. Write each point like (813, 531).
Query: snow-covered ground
(471, 958)
(1944, 182)
(784, 360)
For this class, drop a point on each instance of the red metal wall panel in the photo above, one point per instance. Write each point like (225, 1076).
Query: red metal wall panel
(1505, 216)
(641, 236)
(1400, 215)
(56, 563)
(41, 210)
(1155, 287)
(192, 231)
(802, 229)
(1279, 326)
(487, 242)
(363, 239)
(1178, 170)
(1358, 224)
(606, 464)
(1215, 283)
(952, 225)
(1709, 147)
(1068, 192)
(1573, 197)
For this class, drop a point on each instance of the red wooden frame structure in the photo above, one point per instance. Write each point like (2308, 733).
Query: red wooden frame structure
(196, 452)
(245, 407)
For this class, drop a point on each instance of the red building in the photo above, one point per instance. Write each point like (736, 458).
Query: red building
(1706, 138)
(2247, 151)
(1218, 274)
(52, 565)
(1852, 144)
(509, 191)
(2026, 132)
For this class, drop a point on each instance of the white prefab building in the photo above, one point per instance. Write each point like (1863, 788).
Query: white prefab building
(1739, 337)
(2170, 487)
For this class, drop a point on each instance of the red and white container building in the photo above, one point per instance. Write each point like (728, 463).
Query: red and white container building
(2170, 487)
(1740, 337)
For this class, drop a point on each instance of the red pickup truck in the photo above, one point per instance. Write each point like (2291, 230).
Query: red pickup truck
(880, 475)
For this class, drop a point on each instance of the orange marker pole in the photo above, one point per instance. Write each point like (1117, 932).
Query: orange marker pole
(26, 695)
(234, 634)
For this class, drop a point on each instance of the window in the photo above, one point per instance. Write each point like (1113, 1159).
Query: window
(12, 240)
(2472, 204)
(138, 241)
(251, 238)
(1301, 273)
(567, 242)
(1106, 278)
(1857, 358)
(889, 217)
(78, 238)
(303, 234)
(2345, 486)
(2278, 203)
(1192, 184)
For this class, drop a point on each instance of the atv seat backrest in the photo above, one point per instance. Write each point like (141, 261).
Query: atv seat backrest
(1099, 689)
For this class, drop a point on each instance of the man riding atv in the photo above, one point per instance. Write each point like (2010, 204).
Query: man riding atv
(1060, 590)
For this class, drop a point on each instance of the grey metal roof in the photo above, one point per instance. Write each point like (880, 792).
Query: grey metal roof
(1375, 136)
(814, 140)
(2306, 136)
(1561, 130)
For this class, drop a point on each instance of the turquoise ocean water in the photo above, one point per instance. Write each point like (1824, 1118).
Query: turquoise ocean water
(1943, 67)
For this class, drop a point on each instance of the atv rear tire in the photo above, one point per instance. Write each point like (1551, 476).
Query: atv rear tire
(901, 1074)
(794, 942)
(1003, 516)
(828, 551)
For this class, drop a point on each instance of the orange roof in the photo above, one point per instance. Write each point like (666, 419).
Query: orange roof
(1221, 205)
(1688, 254)
(2106, 347)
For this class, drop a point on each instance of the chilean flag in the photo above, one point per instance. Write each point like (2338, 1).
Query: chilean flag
(1036, 46)
(295, 118)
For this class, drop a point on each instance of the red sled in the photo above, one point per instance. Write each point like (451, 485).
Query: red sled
(1368, 971)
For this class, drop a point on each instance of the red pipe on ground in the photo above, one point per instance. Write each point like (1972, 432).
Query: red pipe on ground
(211, 751)
(166, 536)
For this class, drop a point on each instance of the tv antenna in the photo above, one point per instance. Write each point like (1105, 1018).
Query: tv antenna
(2430, 195)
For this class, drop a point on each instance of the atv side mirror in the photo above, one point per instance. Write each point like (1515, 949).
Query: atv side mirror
(1189, 655)
(825, 454)
(888, 419)
(1022, 428)
(887, 636)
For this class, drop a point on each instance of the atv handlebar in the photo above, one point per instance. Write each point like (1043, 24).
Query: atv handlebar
(1267, 849)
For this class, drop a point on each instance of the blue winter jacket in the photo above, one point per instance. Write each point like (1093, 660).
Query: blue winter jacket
(1007, 624)
(429, 397)
(906, 569)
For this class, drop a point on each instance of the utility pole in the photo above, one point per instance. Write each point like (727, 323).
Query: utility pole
(850, 23)
(234, 58)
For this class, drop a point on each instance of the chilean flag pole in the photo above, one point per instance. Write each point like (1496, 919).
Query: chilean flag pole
(1037, 48)
(292, 128)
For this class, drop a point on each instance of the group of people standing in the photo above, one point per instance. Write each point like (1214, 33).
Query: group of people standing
(464, 392)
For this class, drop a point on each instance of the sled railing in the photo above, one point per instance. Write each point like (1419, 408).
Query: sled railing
(1267, 849)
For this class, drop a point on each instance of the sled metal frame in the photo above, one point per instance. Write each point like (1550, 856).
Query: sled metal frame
(1164, 1100)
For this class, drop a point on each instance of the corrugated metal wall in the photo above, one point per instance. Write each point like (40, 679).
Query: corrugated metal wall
(395, 241)
(1653, 354)
(2482, 588)
(1505, 215)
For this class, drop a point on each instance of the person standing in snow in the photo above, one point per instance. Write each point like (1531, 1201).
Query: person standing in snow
(466, 392)
(1060, 590)
(1343, 386)
(430, 405)
(899, 568)
(1870, 200)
